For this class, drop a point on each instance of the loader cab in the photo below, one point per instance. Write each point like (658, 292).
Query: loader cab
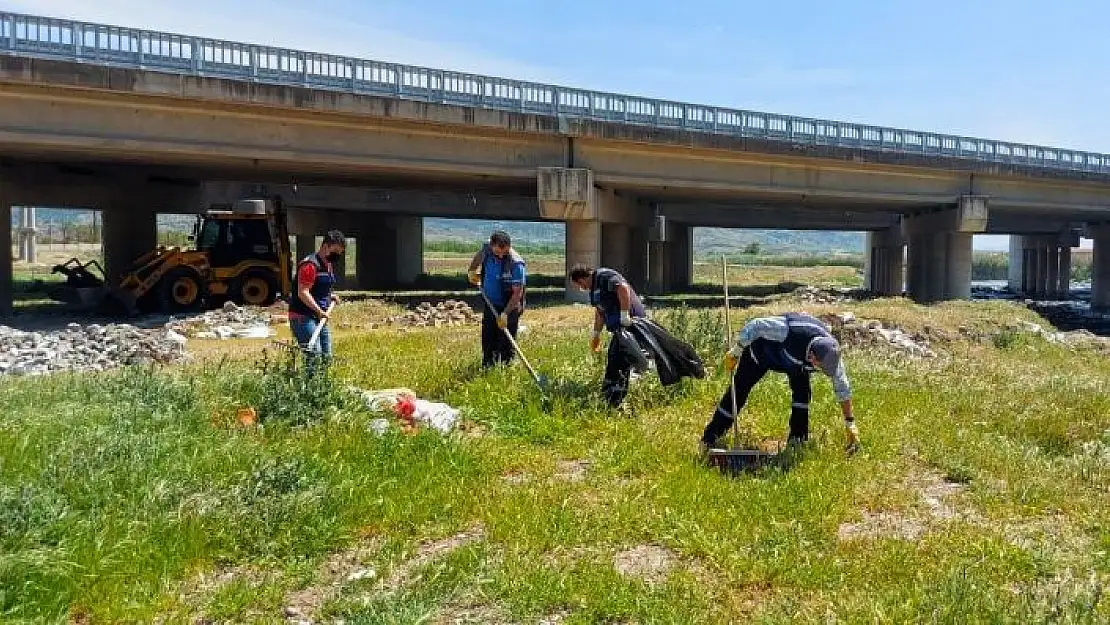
(231, 238)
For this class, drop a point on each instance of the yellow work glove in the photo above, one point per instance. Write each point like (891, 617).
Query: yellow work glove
(595, 342)
(474, 277)
(503, 321)
(851, 434)
(730, 362)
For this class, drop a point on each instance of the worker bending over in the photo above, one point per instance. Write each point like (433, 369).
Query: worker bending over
(615, 304)
(795, 344)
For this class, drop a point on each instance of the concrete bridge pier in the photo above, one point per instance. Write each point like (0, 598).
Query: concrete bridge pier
(939, 250)
(883, 266)
(1100, 267)
(389, 250)
(672, 259)
(130, 229)
(7, 288)
(1044, 264)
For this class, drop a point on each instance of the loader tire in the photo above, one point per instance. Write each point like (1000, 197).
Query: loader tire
(254, 287)
(182, 290)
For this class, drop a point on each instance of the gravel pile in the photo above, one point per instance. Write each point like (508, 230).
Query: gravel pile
(86, 348)
(873, 333)
(448, 313)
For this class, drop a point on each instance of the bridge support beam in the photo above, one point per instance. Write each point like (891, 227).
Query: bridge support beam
(390, 251)
(1015, 262)
(602, 226)
(1100, 268)
(940, 250)
(130, 230)
(884, 262)
(7, 288)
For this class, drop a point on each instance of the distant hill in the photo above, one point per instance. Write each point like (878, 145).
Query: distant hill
(707, 241)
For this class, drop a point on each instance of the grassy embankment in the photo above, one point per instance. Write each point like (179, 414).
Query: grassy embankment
(980, 496)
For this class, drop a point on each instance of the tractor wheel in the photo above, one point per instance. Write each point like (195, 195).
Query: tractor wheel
(182, 290)
(255, 287)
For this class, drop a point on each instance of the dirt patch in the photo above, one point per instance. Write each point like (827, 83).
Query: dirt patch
(572, 470)
(466, 612)
(427, 552)
(650, 563)
(515, 478)
(936, 504)
(340, 568)
(882, 525)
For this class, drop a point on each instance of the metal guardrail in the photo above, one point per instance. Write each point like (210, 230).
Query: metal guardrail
(29, 35)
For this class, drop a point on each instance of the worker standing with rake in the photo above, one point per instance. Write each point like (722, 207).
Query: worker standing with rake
(311, 303)
(795, 344)
(502, 280)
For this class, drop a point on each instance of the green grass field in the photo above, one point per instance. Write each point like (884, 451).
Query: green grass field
(980, 496)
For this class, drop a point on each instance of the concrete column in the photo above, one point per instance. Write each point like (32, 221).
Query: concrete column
(410, 240)
(1028, 267)
(916, 257)
(1041, 286)
(21, 234)
(957, 265)
(1052, 277)
(1100, 268)
(1016, 261)
(883, 263)
(940, 249)
(637, 272)
(7, 289)
(128, 234)
(680, 245)
(583, 246)
(390, 251)
(31, 232)
(1063, 286)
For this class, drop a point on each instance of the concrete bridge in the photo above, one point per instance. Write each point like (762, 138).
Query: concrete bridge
(135, 122)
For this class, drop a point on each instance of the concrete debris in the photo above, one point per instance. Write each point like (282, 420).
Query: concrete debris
(854, 332)
(86, 348)
(815, 295)
(1073, 338)
(229, 322)
(448, 313)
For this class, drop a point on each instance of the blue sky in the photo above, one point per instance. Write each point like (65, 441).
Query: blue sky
(1003, 69)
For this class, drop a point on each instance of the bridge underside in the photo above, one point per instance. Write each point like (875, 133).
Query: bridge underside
(135, 143)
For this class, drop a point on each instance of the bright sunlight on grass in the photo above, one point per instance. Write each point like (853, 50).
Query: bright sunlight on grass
(980, 496)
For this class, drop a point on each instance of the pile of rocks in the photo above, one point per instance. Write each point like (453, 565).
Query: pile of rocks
(448, 313)
(1072, 338)
(815, 295)
(228, 322)
(86, 348)
(873, 333)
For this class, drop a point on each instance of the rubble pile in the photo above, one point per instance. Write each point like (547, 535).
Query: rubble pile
(448, 313)
(1072, 338)
(231, 321)
(815, 295)
(873, 333)
(86, 348)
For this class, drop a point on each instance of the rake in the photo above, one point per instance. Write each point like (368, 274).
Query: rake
(541, 381)
(737, 459)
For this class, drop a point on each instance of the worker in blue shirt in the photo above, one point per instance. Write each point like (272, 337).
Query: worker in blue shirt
(500, 273)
